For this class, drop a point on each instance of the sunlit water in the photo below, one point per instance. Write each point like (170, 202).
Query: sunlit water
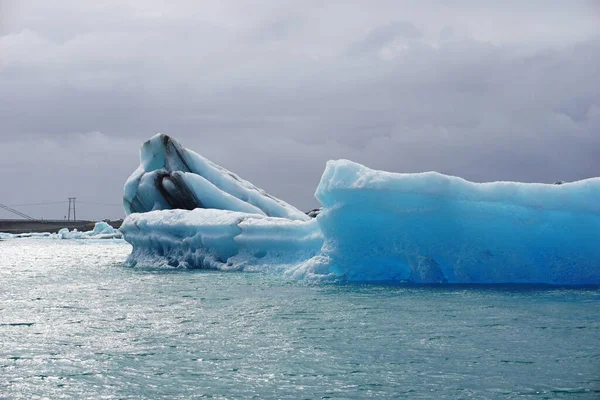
(76, 323)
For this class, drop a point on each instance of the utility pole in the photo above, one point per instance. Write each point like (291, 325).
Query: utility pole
(69, 212)
(71, 200)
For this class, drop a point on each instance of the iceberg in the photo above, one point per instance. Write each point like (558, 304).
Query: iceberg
(219, 239)
(101, 230)
(37, 235)
(173, 177)
(429, 227)
(373, 226)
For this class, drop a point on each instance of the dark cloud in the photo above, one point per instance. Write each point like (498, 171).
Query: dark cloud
(272, 91)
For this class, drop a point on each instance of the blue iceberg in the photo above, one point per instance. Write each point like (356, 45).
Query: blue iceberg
(173, 177)
(430, 227)
(373, 226)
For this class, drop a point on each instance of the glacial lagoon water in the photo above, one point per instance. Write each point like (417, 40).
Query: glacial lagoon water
(76, 323)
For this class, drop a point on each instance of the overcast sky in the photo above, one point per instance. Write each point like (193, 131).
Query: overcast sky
(487, 90)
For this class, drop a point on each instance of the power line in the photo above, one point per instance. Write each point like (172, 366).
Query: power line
(71, 202)
(63, 202)
(19, 213)
(102, 204)
(37, 204)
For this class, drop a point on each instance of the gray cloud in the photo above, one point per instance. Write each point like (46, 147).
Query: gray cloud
(272, 91)
(385, 35)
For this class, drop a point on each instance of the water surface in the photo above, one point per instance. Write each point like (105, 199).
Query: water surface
(76, 323)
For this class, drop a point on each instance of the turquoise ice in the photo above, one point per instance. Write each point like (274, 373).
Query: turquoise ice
(374, 226)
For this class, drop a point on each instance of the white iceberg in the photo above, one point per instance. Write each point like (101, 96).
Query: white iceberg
(101, 230)
(219, 239)
(374, 225)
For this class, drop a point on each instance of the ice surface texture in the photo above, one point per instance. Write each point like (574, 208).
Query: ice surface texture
(430, 227)
(374, 225)
(219, 239)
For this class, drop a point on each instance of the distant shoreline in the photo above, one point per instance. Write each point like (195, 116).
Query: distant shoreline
(52, 226)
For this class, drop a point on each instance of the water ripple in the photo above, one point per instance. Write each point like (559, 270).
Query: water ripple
(75, 323)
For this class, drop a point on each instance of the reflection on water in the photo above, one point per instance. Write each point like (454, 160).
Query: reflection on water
(74, 322)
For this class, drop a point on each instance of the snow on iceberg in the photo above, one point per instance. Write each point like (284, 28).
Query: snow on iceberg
(373, 226)
(173, 177)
